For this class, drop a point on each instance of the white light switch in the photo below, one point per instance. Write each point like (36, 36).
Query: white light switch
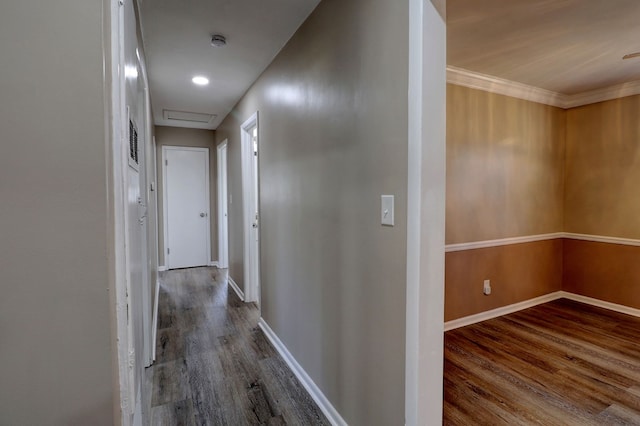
(386, 211)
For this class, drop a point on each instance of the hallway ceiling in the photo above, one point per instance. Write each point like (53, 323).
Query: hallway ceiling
(177, 41)
(566, 46)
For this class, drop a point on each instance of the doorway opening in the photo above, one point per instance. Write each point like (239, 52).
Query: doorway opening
(250, 199)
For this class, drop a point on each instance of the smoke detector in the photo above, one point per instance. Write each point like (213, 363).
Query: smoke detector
(218, 40)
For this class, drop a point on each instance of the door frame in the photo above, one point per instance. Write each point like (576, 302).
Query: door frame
(223, 208)
(115, 116)
(249, 192)
(426, 190)
(165, 199)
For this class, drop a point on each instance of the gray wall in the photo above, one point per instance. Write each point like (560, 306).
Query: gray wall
(55, 342)
(333, 138)
(178, 136)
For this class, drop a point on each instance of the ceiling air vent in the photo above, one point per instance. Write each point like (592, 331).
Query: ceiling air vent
(192, 117)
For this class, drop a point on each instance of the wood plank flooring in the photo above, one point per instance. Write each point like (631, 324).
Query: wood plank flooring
(213, 364)
(561, 363)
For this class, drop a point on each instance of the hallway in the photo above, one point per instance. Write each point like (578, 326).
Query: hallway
(213, 364)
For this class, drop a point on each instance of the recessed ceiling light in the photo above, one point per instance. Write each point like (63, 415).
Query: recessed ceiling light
(200, 80)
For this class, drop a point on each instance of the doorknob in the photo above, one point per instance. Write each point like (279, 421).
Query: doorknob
(203, 214)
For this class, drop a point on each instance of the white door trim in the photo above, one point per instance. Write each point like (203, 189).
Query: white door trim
(223, 224)
(115, 116)
(425, 215)
(251, 279)
(165, 205)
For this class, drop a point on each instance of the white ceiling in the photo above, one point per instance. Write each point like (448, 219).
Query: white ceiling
(177, 37)
(566, 46)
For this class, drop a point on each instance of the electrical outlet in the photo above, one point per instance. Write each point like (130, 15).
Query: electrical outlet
(486, 289)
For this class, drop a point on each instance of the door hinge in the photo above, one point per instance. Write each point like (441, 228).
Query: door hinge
(121, 2)
(166, 162)
(168, 251)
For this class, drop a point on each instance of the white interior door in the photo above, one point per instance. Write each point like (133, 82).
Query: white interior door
(186, 198)
(250, 198)
(223, 220)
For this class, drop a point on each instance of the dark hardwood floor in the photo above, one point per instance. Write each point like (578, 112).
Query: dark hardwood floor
(213, 364)
(561, 363)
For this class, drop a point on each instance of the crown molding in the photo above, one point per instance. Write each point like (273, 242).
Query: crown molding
(605, 94)
(501, 86)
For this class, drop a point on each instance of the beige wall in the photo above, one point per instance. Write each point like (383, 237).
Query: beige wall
(178, 136)
(55, 338)
(333, 131)
(505, 160)
(603, 169)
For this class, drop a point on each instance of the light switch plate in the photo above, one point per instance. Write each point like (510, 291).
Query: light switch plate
(386, 210)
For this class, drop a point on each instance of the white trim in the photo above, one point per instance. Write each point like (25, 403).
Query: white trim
(500, 86)
(115, 114)
(426, 182)
(314, 391)
(509, 309)
(502, 242)
(235, 288)
(601, 303)
(165, 227)
(602, 239)
(504, 310)
(251, 266)
(488, 83)
(542, 237)
(605, 94)
(162, 268)
(165, 201)
(222, 207)
(155, 322)
(214, 263)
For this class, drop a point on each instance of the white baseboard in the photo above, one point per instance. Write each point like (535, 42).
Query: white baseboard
(327, 408)
(509, 309)
(162, 268)
(214, 263)
(504, 310)
(601, 303)
(235, 288)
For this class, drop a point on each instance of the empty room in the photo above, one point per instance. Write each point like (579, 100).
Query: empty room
(542, 288)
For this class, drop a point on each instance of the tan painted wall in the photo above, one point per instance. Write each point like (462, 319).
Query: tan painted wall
(178, 136)
(498, 190)
(603, 169)
(505, 160)
(601, 198)
(55, 338)
(517, 272)
(504, 166)
(333, 131)
(608, 272)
